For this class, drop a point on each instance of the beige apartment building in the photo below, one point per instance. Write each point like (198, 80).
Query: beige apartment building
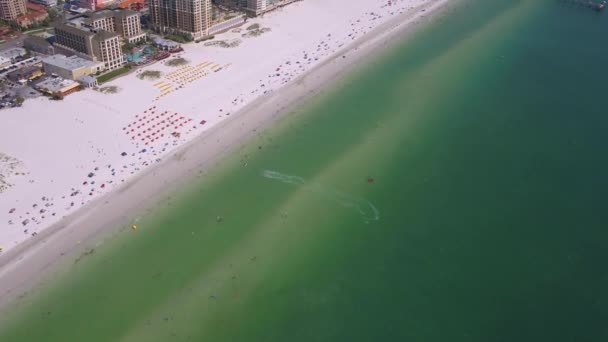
(99, 35)
(185, 16)
(11, 9)
(107, 47)
(256, 7)
(125, 22)
(101, 46)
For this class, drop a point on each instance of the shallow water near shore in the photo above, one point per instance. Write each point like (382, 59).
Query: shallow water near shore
(451, 191)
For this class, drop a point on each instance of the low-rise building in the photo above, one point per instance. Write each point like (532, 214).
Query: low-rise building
(47, 3)
(72, 68)
(255, 7)
(13, 54)
(35, 14)
(4, 62)
(27, 73)
(166, 45)
(39, 44)
(57, 86)
(87, 81)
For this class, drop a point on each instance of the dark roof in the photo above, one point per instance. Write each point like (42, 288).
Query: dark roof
(36, 40)
(125, 13)
(23, 72)
(73, 29)
(99, 14)
(103, 35)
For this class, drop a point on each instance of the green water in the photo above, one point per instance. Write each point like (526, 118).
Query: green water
(485, 135)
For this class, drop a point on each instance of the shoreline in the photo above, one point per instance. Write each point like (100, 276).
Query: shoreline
(22, 267)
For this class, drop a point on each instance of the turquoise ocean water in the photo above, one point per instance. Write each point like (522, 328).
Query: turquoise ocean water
(485, 137)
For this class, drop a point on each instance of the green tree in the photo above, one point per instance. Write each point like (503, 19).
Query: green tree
(53, 14)
(128, 47)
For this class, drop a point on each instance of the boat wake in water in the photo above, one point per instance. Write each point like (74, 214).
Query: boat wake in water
(365, 208)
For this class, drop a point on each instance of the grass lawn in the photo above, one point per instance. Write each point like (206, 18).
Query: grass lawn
(114, 73)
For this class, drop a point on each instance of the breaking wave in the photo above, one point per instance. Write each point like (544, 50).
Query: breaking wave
(364, 207)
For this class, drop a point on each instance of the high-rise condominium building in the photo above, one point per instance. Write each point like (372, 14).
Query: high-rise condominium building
(187, 16)
(256, 6)
(11, 9)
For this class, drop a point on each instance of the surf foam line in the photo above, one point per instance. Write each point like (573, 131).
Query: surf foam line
(364, 207)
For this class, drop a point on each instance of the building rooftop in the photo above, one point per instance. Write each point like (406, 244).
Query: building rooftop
(87, 79)
(99, 14)
(104, 35)
(72, 28)
(125, 13)
(107, 13)
(68, 63)
(25, 72)
(54, 85)
(164, 42)
(38, 39)
(13, 53)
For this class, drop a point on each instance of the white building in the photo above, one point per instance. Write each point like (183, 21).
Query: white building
(72, 68)
(47, 3)
(13, 54)
(4, 62)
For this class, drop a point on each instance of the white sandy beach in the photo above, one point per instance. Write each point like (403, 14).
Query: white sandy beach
(60, 143)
